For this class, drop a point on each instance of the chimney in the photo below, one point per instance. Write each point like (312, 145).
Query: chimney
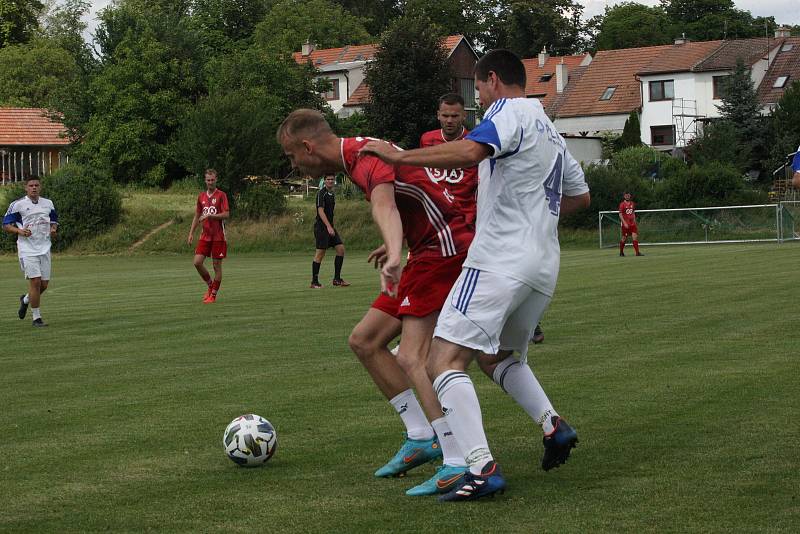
(562, 77)
(543, 55)
(681, 40)
(783, 31)
(308, 47)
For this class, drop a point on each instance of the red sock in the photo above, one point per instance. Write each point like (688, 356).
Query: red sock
(636, 246)
(622, 247)
(215, 286)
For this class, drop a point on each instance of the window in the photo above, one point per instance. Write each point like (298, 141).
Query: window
(662, 135)
(780, 82)
(787, 47)
(333, 92)
(608, 93)
(545, 77)
(466, 88)
(662, 90)
(719, 83)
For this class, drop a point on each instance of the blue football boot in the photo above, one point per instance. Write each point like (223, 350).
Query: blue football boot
(558, 444)
(489, 482)
(446, 478)
(413, 453)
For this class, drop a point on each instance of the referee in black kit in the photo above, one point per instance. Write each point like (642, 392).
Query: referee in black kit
(326, 235)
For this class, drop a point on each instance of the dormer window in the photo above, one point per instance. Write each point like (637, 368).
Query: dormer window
(780, 82)
(545, 77)
(608, 93)
(787, 47)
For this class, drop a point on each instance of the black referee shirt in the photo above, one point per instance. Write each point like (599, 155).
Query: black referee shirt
(327, 201)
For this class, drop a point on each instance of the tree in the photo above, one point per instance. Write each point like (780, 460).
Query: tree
(631, 25)
(784, 127)
(291, 22)
(64, 27)
(705, 20)
(376, 14)
(741, 107)
(19, 20)
(631, 133)
(719, 142)
(232, 20)
(408, 73)
(36, 75)
(528, 26)
(451, 16)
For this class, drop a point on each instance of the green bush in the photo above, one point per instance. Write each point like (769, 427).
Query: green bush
(86, 203)
(703, 185)
(259, 201)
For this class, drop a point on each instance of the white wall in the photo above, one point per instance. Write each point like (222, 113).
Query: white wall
(594, 124)
(349, 80)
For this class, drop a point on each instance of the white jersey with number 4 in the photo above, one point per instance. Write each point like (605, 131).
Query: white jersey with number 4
(519, 193)
(37, 217)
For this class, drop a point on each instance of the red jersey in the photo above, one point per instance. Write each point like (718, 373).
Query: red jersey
(627, 210)
(433, 224)
(461, 183)
(217, 202)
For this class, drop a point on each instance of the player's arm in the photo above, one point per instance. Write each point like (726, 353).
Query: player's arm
(796, 169)
(571, 204)
(796, 180)
(325, 221)
(53, 222)
(10, 221)
(387, 217)
(454, 155)
(195, 220)
(221, 215)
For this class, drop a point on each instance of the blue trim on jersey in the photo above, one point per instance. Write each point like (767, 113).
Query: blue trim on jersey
(53, 216)
(485, 133)
(467, 290)
(796, 162)
(495, 109)
(11, 218)
(521, 135)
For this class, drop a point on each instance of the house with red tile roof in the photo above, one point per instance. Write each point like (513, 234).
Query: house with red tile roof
(31, 143)
(548, 76)
(343, 68)
(676, 88)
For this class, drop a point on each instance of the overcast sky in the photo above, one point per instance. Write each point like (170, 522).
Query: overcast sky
(784, 11)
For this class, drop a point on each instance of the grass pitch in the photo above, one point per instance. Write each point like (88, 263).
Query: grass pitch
(679, 370)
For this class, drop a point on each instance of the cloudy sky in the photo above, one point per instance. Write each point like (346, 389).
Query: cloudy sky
(784, 11)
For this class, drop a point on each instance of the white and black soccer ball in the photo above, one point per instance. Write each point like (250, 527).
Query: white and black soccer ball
(250, 440)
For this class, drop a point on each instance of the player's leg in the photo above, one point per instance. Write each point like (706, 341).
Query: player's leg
(24, 300)
(338, 262)
(217, 282)
(316, 263)
(623, 238)
(201, 252)
(635, 239)
(35, 292)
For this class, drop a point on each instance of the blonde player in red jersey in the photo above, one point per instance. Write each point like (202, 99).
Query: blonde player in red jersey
(212, 209)
(406, 203)
(627, 214)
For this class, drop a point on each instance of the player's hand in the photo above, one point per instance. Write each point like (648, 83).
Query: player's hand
(390, 276)
(383, 150)
(190, 239)
(377, 257)
(203, 217)
(331, 231)
(25, 232)
(53, 231)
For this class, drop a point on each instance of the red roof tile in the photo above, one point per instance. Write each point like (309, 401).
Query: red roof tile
(326, 56)
(786, 63)
(680, 58)
(29, 127)
(724, 57)
(360, 96)
(615, 68)
(545, 90)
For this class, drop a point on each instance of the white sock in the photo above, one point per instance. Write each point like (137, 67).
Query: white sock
(518, 380)
(463, 412)
(450, 450)
(37, 314)
(410, 411)
(26, 299)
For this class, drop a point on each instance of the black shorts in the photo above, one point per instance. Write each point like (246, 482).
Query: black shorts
(324, 240)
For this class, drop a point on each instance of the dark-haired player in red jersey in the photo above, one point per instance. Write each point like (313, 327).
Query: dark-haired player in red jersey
(406, 203)
(212, 210)
(627, 214)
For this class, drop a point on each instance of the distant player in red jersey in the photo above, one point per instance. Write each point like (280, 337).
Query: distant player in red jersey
(212, 210)
(627, 214)
(406, 203)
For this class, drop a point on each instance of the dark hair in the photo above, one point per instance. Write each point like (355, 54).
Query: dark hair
(505, 64)
(306, 122)
(451, 99)
(29, 177)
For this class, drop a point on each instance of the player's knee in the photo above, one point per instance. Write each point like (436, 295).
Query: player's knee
(362, 345)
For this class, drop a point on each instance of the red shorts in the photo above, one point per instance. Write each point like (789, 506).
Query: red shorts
(631, 229)
(387, 304)
(216, 250)
(425, 284)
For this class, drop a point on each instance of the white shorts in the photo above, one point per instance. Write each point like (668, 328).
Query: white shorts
(36, 266)
(491, 312)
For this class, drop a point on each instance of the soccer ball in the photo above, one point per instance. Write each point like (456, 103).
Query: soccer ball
(250, 440)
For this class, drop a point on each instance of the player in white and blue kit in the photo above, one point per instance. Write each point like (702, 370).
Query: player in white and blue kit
(34, 220)
(796, 169)
(527, 179)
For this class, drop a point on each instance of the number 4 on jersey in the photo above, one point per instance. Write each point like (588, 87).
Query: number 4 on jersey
(552, 186)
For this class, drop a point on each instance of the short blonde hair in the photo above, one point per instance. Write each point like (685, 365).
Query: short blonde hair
(303, 122)
(212, 172)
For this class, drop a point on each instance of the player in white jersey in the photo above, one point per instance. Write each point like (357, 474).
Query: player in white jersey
(34, 220)
(527, 179)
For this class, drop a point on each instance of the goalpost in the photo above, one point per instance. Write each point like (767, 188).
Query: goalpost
(721, 224)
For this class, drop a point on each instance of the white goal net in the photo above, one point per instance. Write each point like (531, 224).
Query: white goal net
(724, 224)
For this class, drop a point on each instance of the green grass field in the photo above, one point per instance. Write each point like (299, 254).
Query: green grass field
(679, 370)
